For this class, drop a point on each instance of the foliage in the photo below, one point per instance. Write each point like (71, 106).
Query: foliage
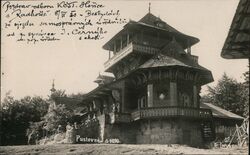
(26, 116)
(17, 116)
(57, 115)
(244, 93)
(35, 132)
(228, 94)
(90, 128)
(57, 93)
(77, 95)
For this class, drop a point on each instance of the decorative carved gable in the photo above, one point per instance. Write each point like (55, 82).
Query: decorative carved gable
(173, 49)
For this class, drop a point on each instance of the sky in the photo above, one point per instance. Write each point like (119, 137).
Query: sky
(74, 64)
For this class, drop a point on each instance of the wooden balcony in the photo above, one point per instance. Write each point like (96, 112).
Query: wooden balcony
(163, 112)
(130, 48)
(159, 112)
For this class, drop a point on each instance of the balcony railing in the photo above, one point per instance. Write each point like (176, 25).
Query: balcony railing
(118, 56)
(174, 111)
(163, 112)
(131, 47)
(154, 112)
(145, 48)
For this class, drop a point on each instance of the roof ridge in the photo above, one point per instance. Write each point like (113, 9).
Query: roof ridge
(152, 20)
(223, 111)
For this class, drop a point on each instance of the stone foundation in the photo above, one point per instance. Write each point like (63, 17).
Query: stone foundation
(156, 132)
(169, 132)
(165, 131)
(125, 132)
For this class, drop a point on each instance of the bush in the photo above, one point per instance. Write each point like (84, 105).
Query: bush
(90, 128)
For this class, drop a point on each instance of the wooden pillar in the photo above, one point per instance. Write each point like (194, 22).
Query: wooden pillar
(173, 94)
(114, 47)
(189, 48)
(150, 95)
(195, 95)
(121, 42)
(104, 106)
(94, 104)
(138, 103)
(196, 91)
(127, 39)
(109, 54)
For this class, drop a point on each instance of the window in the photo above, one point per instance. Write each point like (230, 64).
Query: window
(162, 96)
(162, 92)
(142, 102)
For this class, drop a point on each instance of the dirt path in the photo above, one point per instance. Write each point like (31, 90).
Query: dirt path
(115, 149)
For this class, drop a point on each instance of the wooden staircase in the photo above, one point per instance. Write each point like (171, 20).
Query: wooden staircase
(208, 131)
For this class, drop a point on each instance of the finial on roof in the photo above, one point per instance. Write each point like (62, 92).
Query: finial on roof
(53, 87)
(149, 7)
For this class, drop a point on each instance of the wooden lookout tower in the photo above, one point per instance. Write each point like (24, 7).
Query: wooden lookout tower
(154, 95)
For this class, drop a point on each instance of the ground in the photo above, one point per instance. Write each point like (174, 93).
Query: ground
(116, 149)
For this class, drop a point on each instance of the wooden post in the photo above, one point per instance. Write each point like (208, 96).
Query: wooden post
(127, 39)
(114, 47)
(150, 95)
(138, 104)
(109, 54)
(173, 93)
(195, 95)
(121, 42)
(189, 48)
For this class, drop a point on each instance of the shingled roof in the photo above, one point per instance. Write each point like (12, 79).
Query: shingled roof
(237, 43)
(104, 79)
(154, 21)
(151, 22)
(219, 112)
(162, 60)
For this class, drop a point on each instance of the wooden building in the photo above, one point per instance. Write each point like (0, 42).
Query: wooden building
(154, 95)
(224, 121)
(237, 44)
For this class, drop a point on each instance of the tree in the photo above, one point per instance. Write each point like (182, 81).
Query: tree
(77, 95)
(57, 93)
(244, 92)
(57, 115)
(226, 94)
(17, 116)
